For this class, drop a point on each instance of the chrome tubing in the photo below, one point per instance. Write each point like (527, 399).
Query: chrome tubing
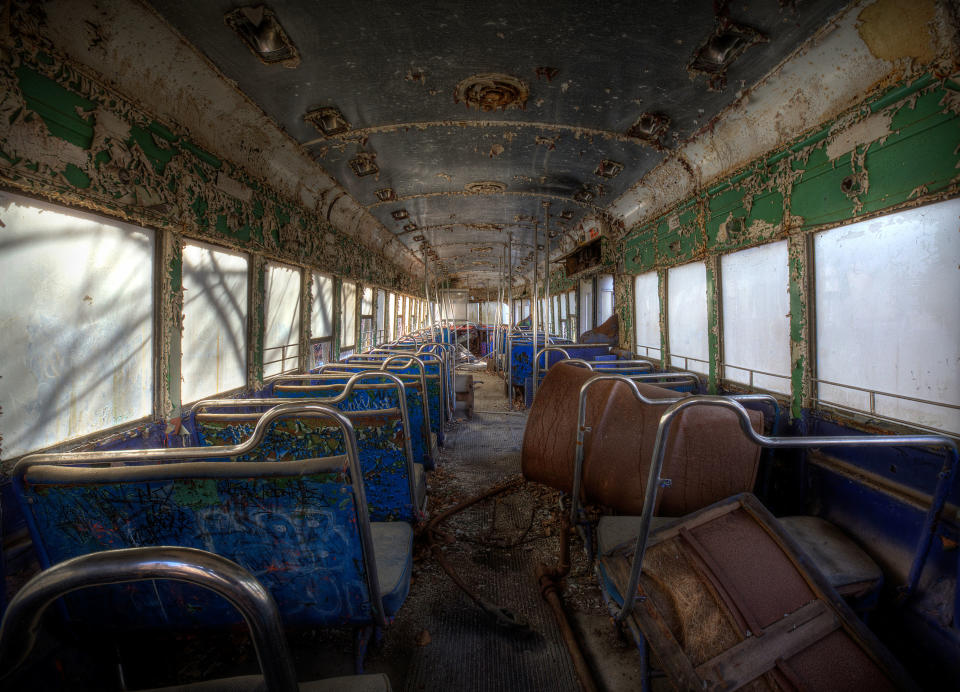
(944, 480)
(347, 388)
(188, 565)
(259, 431)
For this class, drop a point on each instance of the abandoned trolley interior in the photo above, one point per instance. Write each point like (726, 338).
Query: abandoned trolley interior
(492, 345)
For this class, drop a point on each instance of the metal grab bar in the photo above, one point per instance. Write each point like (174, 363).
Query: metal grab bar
(259, 431)
(582, 428)
(382, 363)
(449, 365)
(942, 490)
(347, 388)
(18, 632)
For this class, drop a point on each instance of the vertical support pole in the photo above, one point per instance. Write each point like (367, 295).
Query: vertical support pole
(256, 324)
(714, 324)
(337, 317)
(306, 313)
(545, 318)
(534, 304)
(802, 362)
(510, 320)
(664, 333)
(169, 325)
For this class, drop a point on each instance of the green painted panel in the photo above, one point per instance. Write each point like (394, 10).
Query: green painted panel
(58, 107)
(157, 155)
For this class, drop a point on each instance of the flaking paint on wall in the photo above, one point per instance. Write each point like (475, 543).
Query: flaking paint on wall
(70, 139)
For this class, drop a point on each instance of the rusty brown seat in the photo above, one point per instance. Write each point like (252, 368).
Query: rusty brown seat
(708, 459)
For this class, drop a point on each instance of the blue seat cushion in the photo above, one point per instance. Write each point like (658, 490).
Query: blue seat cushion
(393, 551)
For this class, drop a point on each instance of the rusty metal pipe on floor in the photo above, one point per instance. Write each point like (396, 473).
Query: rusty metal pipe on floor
(550, 582)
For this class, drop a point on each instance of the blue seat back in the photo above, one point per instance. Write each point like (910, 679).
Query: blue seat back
(301, 528)
(381, 447)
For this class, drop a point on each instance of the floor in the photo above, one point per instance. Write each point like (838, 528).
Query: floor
(441, 639)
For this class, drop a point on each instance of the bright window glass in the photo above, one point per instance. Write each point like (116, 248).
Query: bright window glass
(586, 305)
(366, 306)
(348, 314)
(214, 341)
(605, 302)
(756, 317)
(391, 316)
(887, 314)
(647, 314)
(76, 324)
(687, 316)
(281, 339)
(321, 318)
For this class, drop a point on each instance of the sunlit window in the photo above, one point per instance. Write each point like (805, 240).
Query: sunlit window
(687, 317)
(887, 317)
(756, 317)
(214, 341)
(586, 305)
(76, 324)
(321, 321)
(321, 317)
(348, 314)
(281, 339)
(605, 300)
(646, 320)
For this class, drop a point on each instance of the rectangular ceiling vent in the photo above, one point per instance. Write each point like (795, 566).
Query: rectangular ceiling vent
(328, 120)
(364, 164)
(720, 50)
(260, 29)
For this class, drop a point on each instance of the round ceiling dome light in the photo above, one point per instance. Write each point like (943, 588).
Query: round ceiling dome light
(485, 187)
(492, 91)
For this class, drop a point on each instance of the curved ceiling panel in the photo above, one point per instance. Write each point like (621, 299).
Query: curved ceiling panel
(408, 105)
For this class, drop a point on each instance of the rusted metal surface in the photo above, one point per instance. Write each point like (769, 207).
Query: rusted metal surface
(708, 458)
(728, 598)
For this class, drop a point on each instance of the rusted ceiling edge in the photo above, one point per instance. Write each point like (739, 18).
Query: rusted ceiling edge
(413, 264)
(794, 94)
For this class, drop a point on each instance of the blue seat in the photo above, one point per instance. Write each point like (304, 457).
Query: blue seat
(200, 568)
(301, 527)
(395, 486)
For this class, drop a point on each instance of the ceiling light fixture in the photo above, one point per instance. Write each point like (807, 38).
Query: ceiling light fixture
(259, 28)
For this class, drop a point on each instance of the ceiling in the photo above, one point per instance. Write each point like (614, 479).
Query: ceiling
(458, 124)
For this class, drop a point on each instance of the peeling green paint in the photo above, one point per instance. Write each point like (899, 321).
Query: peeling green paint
(202, 154)
(57, 106)
(76, 177)
(144, 168)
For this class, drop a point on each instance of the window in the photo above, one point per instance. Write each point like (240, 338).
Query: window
(76, 324)
(647, 314)
(572, 314)
(756, 317)
(391, 317)
(281, 339)
(605, 302)
(214, 343)
(586, 305)
(887, 318)
(687, 317)
(381, 315)
(321, 321)
(348, 315)
(366, 319)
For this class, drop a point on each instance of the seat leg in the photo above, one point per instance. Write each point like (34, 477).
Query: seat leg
(364, 634)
